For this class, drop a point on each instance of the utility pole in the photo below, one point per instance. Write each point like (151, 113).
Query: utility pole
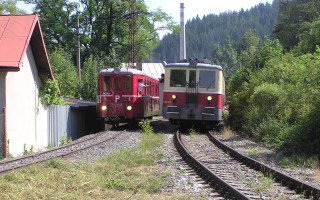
(132, 35)
(78, 50)
(182, 34)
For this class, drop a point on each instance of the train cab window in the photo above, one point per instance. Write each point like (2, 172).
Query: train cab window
(127, 83)
(116, 83)
(177, 78)
(207, 79)
(192, 78)
(106, 85)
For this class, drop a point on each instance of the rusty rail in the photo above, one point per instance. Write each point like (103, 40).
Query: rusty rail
(300, 187)
(222, 186)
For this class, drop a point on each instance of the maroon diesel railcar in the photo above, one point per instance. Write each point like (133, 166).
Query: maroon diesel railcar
(194, 92)
(119, 99)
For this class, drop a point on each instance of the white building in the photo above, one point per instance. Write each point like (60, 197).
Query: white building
(24, 67)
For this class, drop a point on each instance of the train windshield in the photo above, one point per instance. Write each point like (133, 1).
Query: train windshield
(106, 85)
(127, 83)
(116, 84)
(178, 78)
(207, 79)
(192, 78)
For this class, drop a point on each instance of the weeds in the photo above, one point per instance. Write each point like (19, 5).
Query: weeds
(192, 132)
(146, 127)
(64, 140)
(296, 161)
(26, 151)
(253, 152)
(264, 183)
(227, 133)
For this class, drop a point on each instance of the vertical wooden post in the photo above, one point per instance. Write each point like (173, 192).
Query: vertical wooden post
(5, 146)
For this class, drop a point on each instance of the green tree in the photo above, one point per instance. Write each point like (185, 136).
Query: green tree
(89, 81)
(203, 34)
(58, 23)
(226, 57)
(293, 14)
(247, 48)
(270, 49)
(252, 58)
(64, 72)
(104, 26)
(10, 7)
(309, 39)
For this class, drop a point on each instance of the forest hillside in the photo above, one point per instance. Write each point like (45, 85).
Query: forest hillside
(202, 35)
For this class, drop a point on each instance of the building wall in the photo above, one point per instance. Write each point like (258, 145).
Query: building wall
(26, 117)
(2, 104)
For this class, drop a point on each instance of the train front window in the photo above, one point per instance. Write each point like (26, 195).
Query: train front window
(178, 78)
(127, 83)
(207, 79)
(192, 78)
(116, 83)
(106, 85)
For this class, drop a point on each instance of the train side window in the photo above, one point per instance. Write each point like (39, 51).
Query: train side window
(106, 85)
(207, 79)
(177, 78)
(116, 83)
(148, 88)
(127, 83)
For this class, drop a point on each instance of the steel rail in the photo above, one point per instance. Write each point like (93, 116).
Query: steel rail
(300, 187)
(62, 155)
(32, 156)
(204, 172)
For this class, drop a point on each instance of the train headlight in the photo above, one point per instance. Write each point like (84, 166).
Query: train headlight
(209, 98)
(174, 96)
(129, 107)
(103, 107)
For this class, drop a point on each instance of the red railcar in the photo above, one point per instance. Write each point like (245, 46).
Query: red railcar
(118, 98)
(194, 92)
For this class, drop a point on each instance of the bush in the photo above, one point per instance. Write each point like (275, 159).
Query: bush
(49, 94)
(279, 103)
(274, 133)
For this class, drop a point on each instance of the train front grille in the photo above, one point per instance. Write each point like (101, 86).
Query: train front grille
(191, 99)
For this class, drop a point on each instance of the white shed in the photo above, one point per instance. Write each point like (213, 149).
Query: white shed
(24, 67)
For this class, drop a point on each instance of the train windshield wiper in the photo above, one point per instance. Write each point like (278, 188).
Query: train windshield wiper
(210, 84)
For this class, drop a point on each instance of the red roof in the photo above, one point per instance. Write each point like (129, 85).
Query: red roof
(16, 33)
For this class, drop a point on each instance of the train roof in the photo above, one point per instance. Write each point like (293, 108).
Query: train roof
(125, 71)
(192, 64)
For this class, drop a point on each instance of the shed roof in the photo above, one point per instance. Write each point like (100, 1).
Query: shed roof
(78, 103)
(152, 69)
(16, 33)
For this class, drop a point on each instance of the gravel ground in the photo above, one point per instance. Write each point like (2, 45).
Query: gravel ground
(125, 139)
(271, 158)
(182, 179)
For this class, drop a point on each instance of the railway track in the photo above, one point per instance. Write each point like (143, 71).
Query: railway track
(236, 176)
(69, 150)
